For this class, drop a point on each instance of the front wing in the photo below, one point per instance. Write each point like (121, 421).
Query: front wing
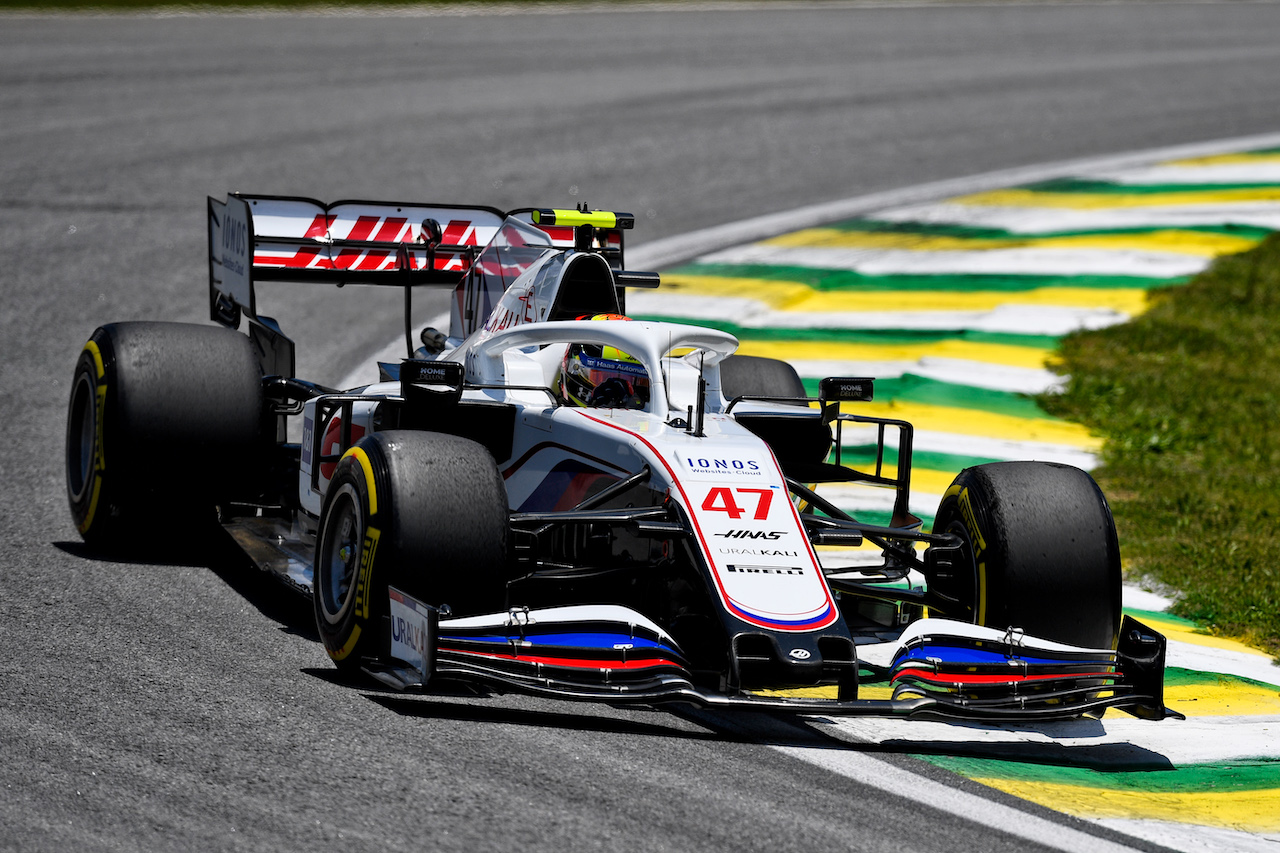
(940, 668)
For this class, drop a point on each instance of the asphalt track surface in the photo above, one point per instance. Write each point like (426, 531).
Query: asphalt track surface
(185, 703)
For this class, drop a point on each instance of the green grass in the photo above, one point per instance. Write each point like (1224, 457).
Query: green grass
(1188, 399)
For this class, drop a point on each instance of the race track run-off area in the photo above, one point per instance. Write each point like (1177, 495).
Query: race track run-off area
(956, 306)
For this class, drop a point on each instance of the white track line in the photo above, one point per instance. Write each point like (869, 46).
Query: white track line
(1193, 837)
(1224, 173)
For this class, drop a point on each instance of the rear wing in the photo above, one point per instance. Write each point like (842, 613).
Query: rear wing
(279, 238)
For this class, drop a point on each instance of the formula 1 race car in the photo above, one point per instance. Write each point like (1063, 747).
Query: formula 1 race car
(556, 499)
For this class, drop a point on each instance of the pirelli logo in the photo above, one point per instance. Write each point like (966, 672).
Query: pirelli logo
(764, 570)
(971, 522)
(363, 585)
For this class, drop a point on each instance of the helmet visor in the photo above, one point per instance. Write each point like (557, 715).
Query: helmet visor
(608, 383)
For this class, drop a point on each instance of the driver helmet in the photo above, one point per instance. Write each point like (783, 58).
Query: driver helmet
(602, 377)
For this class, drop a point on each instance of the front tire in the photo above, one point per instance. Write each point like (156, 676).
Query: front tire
(1039, 552)
(423, 512)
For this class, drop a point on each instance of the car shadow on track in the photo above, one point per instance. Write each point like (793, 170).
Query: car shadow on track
(1103, 757)
(783, 730)
(213, 549)
(461, 701)
(484, 711)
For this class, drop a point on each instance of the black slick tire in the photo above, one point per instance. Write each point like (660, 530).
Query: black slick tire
(420, 511)
(1040, 552)
(164, 421)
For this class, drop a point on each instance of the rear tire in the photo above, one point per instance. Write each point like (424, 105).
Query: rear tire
(165, 420)
(1040, 552)
(423, 512)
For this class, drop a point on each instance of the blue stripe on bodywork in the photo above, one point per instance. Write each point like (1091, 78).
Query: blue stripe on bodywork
(980, 657)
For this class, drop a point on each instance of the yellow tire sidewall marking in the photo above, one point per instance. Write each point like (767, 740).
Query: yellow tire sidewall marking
(99, 452)
(342, 653)
(368, 551)
(362, 459)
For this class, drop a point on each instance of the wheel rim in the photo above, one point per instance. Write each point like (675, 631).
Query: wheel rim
(340, 554)
(82, 433)
(964, 585)
(970, 582)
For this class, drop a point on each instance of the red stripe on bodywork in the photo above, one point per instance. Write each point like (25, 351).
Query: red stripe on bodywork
(963, 678)
(360, 231)
(390, 230)
(457, 232)
(319, 226)
(375, 259)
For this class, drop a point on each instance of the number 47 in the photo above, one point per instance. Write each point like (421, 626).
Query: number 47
(720, 499)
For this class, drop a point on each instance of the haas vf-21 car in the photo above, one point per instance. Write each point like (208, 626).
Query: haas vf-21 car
(554, 498)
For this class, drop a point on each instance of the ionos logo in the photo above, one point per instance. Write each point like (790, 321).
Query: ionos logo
(363, 586)
(751, 534)
(235, 235)
(748, 467)
(235, 242)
